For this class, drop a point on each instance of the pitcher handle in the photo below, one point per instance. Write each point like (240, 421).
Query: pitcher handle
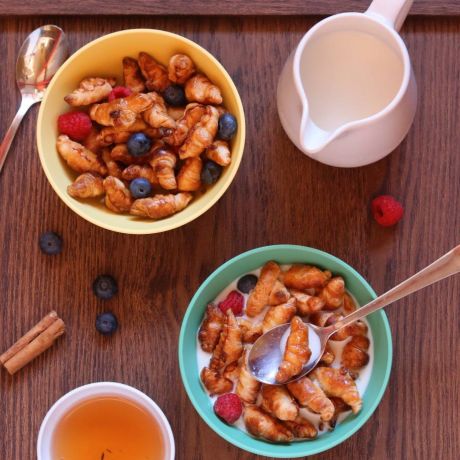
(392, 12)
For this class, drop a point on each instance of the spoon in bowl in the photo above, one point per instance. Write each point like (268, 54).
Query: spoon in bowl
(40, 56)
(267, 352)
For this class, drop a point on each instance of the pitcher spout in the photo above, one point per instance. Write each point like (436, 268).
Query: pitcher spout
(313, 139)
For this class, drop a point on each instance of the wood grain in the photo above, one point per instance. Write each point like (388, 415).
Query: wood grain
(278, 196)
(206, 7)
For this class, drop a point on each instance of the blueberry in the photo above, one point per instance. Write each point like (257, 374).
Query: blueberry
(211, 172)
(140, 188)
(106, 323)
(247, 283)
(175, 95)
(105, 287)
(139, 144)
(50, 243)
(227, 126)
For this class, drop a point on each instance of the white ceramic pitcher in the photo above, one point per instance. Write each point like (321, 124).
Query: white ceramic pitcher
(347, 94)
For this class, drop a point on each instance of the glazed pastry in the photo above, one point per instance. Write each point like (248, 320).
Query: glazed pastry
(155, 74)
(336, 382)
(357, 328)
(176, 113)
(258, 298)
(94, 141)
(160, 206)
(215, 383)
(189, 177)
(333, 293)
(121, 112)
(302, 428)
(230, 345)
(251, 332)
(247, 387)
(180, 68)
(163, 163)
(349, 305)
(280, 314)
(192, 115)
(211, 328)
(87, 185)
(79, 158)
(120, 134)
(297, 352)
(117, 197)
(136, 171)
(263, 425)
(310, 395)
(90, 90)
(120, 153)
(201, 135)
(354, 354)
(304, 277)
(200, 89)
(232, 371)
(219, 152)
(339, 408)
(113, 167)
(328, 356)
(279, 294)
(307, 304)
(132, 75)
(277, 401)
(157, 116)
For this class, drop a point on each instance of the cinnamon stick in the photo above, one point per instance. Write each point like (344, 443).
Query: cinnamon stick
(33, 343)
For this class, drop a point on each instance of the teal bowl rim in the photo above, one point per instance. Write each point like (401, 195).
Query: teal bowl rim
(312, 450)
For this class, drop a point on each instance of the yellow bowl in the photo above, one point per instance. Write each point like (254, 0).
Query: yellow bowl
(102, 57)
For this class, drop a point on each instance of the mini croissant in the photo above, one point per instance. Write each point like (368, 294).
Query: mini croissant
(160, 206)
(302, 428)
(157, 116)
(336, 382)
(328, 356)
(192, 115)
(219, 152)
(247, 387)
(200, 89)
(307, 304)
(132, 75)
(258, 298)
(279, 294)
(354, 354)
(310, 395)
(349, 305)
(180, 68)
(232, 371)
(277, 401)
(189, 177)
(135, 171)
(117, 195)
(211, 328)
(263, 425)
(78, 157)
(280, 314)
(230, 345)
(297, 352)
(304, 277)
(87, 185)
(118, 134)
(215, 383)
(333, 293)
(251, 332)
(201, 135)
(90, 90)
(113, 168)
(155, 74)
(163, 163)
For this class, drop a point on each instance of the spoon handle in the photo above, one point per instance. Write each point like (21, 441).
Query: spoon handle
(447, 265)
(26, 103)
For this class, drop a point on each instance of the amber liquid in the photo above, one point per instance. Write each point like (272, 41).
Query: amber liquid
(108, 428)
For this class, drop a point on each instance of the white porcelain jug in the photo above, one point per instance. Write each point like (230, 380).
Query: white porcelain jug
(347, 94)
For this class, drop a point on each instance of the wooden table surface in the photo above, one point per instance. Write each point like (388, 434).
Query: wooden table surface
(278, 196)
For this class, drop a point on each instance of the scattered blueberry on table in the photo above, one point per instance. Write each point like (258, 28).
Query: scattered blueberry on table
(211, 172)
(106, 323)
(227, 126)
(140, 188)
(174, 95)
(247, 283)
(139, 144)
(50, 243)
(105, 287)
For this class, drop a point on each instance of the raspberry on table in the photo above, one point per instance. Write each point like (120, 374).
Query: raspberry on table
(235, 301)
(228, 407)
(387, 211)
(119, 91)
(76, 125)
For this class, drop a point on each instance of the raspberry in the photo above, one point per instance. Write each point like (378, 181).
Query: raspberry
(235, 301)
(386, 210)
(228, 407)
(119, 91)
(77, 125)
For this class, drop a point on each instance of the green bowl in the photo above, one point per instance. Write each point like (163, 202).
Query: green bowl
(246, 262)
